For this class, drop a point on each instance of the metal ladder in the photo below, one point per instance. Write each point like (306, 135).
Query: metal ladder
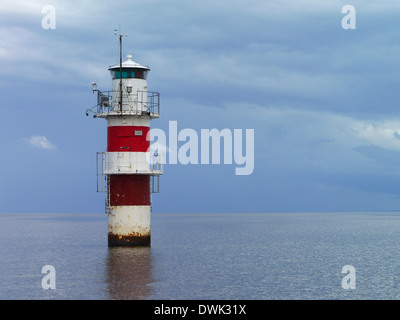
(103, 180)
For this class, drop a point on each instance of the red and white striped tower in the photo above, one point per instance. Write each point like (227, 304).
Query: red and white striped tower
(129, 170)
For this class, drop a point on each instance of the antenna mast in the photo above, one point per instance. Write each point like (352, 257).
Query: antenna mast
(118, 32)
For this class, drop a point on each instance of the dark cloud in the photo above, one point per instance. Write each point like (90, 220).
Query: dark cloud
(322, 100)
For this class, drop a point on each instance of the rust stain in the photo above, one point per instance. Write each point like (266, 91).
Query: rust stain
(134, 240)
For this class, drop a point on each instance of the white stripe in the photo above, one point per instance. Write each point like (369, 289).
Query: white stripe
(133, 163)
(129, 220)
(127, 162)
(128, 121)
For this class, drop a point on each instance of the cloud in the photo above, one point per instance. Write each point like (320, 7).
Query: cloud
(40, 142)
(383, 133)
(289, 139)
(322, 100)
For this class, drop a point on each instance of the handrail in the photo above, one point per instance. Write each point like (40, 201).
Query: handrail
(141, 103)
(153, 165)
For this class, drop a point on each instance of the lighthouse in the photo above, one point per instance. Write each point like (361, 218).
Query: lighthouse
(128, 172)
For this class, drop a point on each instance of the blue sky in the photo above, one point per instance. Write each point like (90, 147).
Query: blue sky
(323, 101)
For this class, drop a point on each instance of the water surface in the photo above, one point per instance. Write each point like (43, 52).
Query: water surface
(204, 256)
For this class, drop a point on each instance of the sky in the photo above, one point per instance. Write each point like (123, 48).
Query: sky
(322, 101)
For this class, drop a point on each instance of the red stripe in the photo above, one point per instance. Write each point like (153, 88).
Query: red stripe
(129, 190)
(128, 139)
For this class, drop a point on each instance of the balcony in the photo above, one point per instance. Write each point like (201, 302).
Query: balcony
(153, 166)
(149, 163)
(133, 104)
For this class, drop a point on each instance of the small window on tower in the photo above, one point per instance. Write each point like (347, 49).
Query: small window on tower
(138, 132)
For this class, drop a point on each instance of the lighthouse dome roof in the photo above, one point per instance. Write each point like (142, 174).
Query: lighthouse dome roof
(129, 63)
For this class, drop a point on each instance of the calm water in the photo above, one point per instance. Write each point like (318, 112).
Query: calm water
(204, 256)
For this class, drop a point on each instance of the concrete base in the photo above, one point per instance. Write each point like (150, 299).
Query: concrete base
(129, 226)
(128, 241)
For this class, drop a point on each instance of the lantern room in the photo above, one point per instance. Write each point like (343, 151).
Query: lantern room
(129, 79)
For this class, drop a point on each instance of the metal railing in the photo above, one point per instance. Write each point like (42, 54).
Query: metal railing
(100, 168)
(156, 162)
(155, 184)
(139, 103)
(154, 165)
(103, 180)
(151, 102)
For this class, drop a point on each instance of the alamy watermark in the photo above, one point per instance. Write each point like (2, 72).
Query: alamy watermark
(349, 280)
(349, 20)
(209, 145)
(49, 20)
(195, 150)
(49, 280)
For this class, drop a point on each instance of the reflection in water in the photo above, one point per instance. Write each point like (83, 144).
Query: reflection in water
(129, 272)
